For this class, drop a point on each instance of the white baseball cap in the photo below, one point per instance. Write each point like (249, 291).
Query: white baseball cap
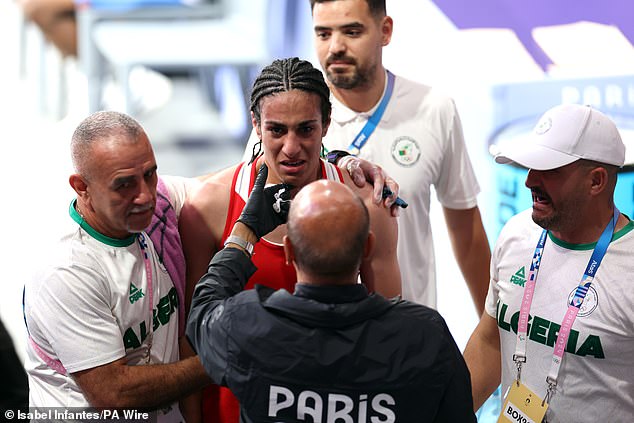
(564, 134)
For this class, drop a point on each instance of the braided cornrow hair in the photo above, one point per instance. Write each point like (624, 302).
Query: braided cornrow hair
(290, 74)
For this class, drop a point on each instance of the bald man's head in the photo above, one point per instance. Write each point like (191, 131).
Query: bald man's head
(328, 226)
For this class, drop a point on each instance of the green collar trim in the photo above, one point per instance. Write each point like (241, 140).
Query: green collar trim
(113, 242)
(590, 246)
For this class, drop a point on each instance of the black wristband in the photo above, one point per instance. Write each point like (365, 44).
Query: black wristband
(335, 155)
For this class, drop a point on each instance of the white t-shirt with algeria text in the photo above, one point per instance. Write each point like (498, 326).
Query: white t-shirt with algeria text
(88, 304)
(596, 378)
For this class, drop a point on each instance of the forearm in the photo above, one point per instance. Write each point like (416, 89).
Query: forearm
(162, 384)
(191, 405)
(228, 273)
(471, 250)
(380, 271)
(118, 385)
(483, 359)
(475, 270)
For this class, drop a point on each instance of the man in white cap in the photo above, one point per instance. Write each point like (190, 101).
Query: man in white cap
(558, 328)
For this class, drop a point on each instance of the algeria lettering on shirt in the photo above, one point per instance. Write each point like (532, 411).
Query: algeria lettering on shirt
(161, 316)
(545, 332)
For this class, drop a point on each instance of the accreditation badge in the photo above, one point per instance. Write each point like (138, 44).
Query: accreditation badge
(522, 405)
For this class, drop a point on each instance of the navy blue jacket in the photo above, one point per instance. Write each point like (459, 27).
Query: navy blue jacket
(325, 353)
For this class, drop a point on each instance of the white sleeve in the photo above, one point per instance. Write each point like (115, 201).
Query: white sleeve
(180, 188)
(491, 301)
(456, 186)
(70, 317)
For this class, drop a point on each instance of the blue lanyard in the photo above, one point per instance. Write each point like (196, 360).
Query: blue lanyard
(595, 261)
(369, 127)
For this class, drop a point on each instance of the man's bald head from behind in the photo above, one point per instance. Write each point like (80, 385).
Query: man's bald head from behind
(328, 232)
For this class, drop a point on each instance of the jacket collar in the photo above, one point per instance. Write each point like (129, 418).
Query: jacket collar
(311, 307)
(331, 294)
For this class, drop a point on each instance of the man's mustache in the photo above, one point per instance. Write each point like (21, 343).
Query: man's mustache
(340, 58)
(142, 209)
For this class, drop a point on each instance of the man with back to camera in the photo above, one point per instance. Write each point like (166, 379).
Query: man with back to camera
(417, 140)
(102, 311)
(330, 351)
(563, 336)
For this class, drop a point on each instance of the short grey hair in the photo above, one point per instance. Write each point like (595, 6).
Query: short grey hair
(96, 127)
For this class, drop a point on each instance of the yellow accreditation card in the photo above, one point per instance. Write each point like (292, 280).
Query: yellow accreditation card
(522, 406)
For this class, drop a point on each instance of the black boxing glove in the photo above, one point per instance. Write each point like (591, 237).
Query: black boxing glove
(267, 207)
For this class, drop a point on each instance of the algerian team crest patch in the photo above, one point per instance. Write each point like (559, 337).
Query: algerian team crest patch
(405, 151)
